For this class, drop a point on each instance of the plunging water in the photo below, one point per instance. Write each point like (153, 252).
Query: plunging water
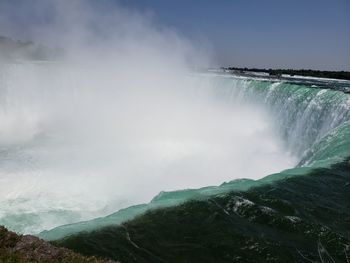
(80, 142)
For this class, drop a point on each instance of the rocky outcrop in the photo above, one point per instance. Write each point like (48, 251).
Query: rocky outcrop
(27, 248)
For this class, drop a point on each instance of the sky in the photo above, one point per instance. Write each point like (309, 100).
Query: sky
(295, 34)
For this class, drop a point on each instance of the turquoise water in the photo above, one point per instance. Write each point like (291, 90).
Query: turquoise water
(308, 119)
(313, 122)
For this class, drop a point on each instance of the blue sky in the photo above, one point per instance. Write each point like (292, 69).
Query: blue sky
(254, 33)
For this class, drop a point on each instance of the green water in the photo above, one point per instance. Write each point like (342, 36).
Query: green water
(300, 219)
(314, 124)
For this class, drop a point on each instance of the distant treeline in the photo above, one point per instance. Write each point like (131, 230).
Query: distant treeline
(301, 72)
(25, 50)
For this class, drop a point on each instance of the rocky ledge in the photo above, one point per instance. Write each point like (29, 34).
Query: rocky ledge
(27, 248)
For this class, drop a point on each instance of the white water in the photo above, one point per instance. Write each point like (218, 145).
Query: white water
(80, 142)
(116, 120)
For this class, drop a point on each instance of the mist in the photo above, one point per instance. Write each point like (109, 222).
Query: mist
(119, 117)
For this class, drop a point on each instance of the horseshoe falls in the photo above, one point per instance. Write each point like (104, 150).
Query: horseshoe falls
(78, 144)
(313, 122)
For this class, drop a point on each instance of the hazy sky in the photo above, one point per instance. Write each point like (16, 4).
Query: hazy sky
(253, 33)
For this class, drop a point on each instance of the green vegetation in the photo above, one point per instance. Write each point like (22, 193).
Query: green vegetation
(297, 219)
(300, 72)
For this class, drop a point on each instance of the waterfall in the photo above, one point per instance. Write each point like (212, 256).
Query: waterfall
(78, 142)
(303, 116)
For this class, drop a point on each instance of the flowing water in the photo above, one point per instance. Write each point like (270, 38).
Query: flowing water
(78, 142)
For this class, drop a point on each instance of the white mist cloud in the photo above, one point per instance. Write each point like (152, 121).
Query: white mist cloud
(116, 120)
